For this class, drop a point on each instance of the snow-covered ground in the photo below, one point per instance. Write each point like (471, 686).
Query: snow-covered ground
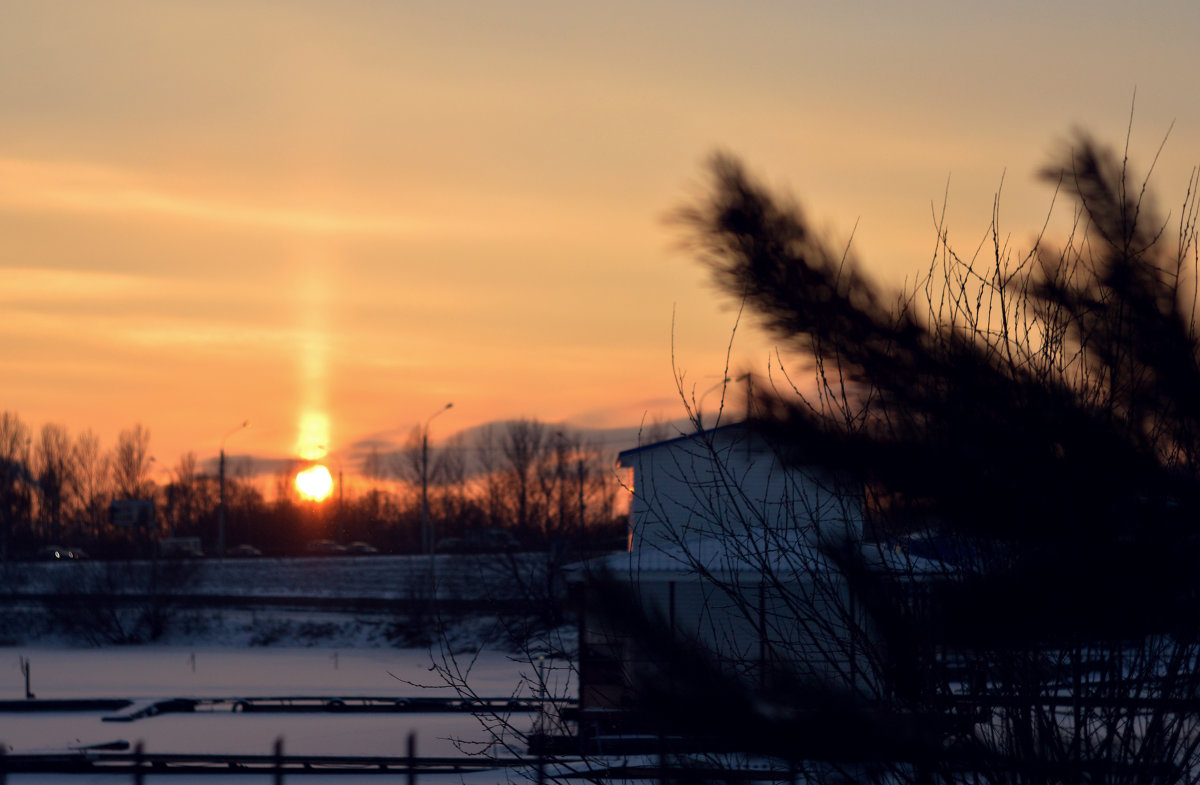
(330, 601)
(236, 649)
(178, 671)
(184, 671)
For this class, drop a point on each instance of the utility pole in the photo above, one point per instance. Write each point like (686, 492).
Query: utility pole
(221, 491)
(582, 469)
(221, 504)
(560, 456)
(426, 524)
(749, 379)
(341, 512)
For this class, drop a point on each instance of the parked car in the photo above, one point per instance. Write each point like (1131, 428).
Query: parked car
(485, 541)
(450, 545)
(360, 548)
(180, 548)
(243, 552)
(324, 548)
(59, 553)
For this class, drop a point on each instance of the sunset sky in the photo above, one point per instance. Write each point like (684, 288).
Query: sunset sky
(331, 218)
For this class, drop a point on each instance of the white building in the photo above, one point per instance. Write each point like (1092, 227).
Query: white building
(730, 548)
(729, 482)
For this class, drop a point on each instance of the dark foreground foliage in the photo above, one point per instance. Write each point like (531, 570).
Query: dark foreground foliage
(1040, 417)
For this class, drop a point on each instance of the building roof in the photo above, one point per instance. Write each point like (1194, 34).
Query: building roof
(731, 428)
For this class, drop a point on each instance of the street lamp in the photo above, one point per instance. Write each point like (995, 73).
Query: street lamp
(698, 403)
(221, 489)
(340, 513)
(426, 524)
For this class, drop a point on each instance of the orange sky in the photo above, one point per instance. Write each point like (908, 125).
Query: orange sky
(332, 218)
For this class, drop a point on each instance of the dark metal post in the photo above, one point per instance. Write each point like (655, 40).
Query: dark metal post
(412, 758)
(25, 670)
(560, 476)
(221, 506)
(582, 476)
(341, 512)
(426, 523)
(278, 753)
(139, 776)
(221, 488)
(662, 757)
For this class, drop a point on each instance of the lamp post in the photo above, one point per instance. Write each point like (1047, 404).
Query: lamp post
(426, 524)
(341, 511)
(221, 491)
(698, 403)
(748, 378)
(560, 477)
(329, 458)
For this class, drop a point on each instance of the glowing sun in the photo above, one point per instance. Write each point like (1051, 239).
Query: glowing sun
(314, 483)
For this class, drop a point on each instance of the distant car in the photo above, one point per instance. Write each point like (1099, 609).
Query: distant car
(59, 553)
(324, 548)
(450, 545)
(243, 552)
(485, 541)
(360, 548)
(180, 548)
(494, 540)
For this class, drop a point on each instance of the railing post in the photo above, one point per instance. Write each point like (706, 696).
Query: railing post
(662, 758)
(139, 776)
(25, 670)
(278, 753)
(412, 758)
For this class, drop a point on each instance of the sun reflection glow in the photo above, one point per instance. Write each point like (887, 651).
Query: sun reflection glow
(312, 294)
(314, 436)
(314, 483)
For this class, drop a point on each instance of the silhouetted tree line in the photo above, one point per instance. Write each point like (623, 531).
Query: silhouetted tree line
(540, 483)
(56, 489)
(544, 485)
(1035, 421)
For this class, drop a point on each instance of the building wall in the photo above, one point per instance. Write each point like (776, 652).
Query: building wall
(804, 630)
(729, 483)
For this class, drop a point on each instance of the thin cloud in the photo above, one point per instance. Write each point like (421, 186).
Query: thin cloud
(82, 187)
(29, 284)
